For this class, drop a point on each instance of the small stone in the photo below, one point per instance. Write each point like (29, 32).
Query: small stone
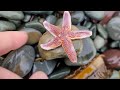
(51, 19)
(59, 22)
(15, 15)
(45, 66)
(33, 35)
(99, 42)
(88, 25)
(16, 22)
(86, 55)
(97, 15)
(77, 17)
(6, 26)
(103, 49)
(102, 31)
(36, 25)
(94, 31)
(115, 44)
(60, 73)
(38, 12)
(112, 58)
(59, 51)
(115, 75)
(20, 61)
(27, 18)
(113, 28)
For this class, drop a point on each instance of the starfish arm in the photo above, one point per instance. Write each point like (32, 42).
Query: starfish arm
(69, 49)
(66, 25)
(54, 30)
(51, 44)
(79, 34)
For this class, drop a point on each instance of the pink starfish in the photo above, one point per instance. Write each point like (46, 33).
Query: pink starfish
(63, 37)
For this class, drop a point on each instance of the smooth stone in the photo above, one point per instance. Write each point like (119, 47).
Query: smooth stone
(103, 49)
(27, 18)
(59, 22)
(86, 55)
(36, 25)
(16, 22)
(1, 60)
(112, 58)
(51, 19)
(81, 27)
(99, 42)
(59, 51)
(97, 15)
(94, 31)
(6, 26)
(77, 17)
(15, 15)
(88, 25)
(38, 12)
(115, 44)
(33, 35)
(45, 66)
(102, 31)
(60, 73)
(20, 61)
(113, 28)
(115, 75)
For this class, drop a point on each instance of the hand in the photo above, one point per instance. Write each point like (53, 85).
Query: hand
(11, 40)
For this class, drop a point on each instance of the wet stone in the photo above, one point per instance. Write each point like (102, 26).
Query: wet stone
(20, 61)
(15, 15)
(113, 28)
(33, 35)
(97, 15)
(6, 26)
(112, 58)
(77, 17)
(27, 18)
(60, 73)
(16, 22)
(51, 19)
(94, 31)
(87, 54)
(88, 25)
(102, 31)
(99, 42)
(45, 66)
(35, 25)
(59, 22)
(115, 44)
(115, 75)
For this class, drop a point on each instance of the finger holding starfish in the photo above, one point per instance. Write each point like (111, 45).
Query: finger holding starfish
(64, 36)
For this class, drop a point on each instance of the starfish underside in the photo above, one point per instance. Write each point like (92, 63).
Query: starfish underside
(63, 37)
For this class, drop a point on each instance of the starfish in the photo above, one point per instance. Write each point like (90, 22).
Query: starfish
(64, 36)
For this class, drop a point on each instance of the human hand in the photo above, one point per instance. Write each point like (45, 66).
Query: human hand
(11, 40)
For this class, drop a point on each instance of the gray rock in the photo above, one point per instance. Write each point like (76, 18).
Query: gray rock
(6, 26)
(97, 15)
(94, 31)
(99, 42)
(60, 73)
(27, 18)
(87, 54)
(59, 22)
(115, 44)
(77, 17)
(16, 22)
(115, 75)
(45, 66)
(88, 25)
(102, 31)
(20, 61)
(38, 12)
(33, 35)
(103, 49)
(113, 28)
(15, 15)
(36, 25)
(51, 19)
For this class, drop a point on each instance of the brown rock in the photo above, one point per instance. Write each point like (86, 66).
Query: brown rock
(112, 58)
(57, 52)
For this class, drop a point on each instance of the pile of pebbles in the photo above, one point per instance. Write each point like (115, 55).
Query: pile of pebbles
(30, 58)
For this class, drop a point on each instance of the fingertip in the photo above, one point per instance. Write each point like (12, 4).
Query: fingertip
(39, 75)
(6, 74)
